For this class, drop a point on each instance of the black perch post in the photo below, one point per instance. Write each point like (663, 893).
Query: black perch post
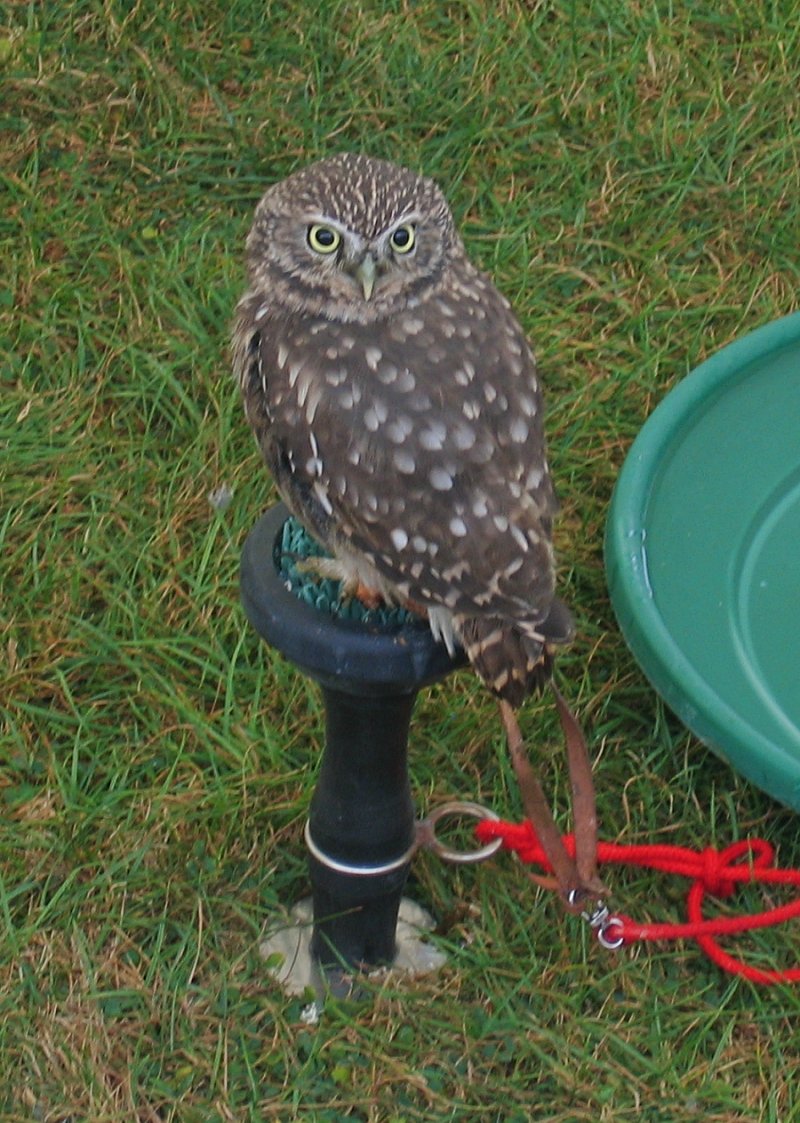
(361, 828)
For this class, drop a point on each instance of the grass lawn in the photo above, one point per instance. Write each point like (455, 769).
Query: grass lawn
(629, 174)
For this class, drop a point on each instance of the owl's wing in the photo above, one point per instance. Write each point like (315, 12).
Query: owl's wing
(420, 448)
(469, 528)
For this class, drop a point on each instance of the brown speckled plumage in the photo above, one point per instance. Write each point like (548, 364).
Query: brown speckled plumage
(397, 405)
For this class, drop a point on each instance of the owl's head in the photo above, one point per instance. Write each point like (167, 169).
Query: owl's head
(350, 238)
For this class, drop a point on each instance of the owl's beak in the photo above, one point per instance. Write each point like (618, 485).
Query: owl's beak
(365, 273)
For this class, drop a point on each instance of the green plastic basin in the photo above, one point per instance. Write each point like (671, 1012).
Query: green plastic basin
(703, 554)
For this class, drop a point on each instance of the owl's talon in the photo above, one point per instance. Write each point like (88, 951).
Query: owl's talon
(415, 607)
(366, 596)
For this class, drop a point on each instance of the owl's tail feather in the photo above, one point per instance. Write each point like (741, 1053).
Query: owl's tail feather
(514, 660)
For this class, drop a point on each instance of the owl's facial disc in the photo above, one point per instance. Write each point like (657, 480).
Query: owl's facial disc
(384, 253)
(367, 260)
(357, 270)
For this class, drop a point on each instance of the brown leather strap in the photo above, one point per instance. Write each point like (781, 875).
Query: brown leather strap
(575, 878)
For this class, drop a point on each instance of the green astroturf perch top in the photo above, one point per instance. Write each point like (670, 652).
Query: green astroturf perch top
(325, 595)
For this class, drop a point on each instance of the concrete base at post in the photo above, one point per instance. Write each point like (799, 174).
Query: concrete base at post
(287, 947)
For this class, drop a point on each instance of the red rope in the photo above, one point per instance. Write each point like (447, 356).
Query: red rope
(717, 872)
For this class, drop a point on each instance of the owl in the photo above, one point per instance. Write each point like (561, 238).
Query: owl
(397, 405)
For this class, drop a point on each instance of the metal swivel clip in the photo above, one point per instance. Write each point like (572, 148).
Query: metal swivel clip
(604, 923)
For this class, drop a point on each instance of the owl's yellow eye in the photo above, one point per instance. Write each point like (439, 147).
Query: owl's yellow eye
(403, 238)
(323, 239)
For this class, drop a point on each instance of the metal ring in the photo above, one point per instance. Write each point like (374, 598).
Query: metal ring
(426, 832)
(358, 871)
(611, 943)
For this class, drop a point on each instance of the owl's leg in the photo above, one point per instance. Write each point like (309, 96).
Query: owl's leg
(329, 569)
(334, 569)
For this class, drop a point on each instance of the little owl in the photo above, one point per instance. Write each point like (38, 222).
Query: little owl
(396, 403)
